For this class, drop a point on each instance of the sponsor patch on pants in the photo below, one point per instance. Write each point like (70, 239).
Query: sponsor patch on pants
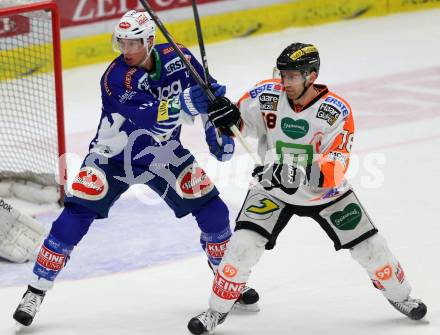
(90, 184)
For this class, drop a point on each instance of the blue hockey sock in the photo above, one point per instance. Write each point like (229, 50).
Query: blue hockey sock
(213, 221)
(51, 259)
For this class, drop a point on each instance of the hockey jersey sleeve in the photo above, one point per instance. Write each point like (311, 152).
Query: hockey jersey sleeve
(335, 146)
(252, 122)
(157, 117)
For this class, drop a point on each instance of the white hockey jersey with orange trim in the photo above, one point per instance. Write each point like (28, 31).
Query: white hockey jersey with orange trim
(321, 133)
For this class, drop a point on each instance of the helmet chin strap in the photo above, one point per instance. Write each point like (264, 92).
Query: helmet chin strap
(305, 88)
(147, 55)
(144, 60)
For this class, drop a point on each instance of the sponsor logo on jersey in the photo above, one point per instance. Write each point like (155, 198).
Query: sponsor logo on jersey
(128, 95)
(294, 128)
(90, 184)
(328, 113)
(124, 25)
(166, 51)
(229, 271)
(50, 260)
(143, 83)
(106, 85)
(4, 205)
(265, 87)
(347, 219)
(175, 65)
(146, 105)
(338, 103)
(193, 182)
(162, 111)
(338, 156)
(216, 250)
(226, 289)
(377, 284)
(128, 78)
(384, 273)
(165, 92)
(269, 101)
(400, 274)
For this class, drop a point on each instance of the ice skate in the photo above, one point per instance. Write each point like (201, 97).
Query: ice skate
(248, 300)
(29, 306)
(206, 322)
(415, 309)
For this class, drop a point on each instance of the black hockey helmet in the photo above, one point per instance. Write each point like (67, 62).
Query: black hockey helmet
(299, 56)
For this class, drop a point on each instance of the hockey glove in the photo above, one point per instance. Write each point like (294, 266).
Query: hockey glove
(223, 114)
(221, 151)
(286, 177)
(193, 100)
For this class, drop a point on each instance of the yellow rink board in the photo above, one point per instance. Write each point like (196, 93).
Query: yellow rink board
(97, 48)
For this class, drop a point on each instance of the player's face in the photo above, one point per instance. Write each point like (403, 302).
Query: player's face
(133, 50)
(293, 82)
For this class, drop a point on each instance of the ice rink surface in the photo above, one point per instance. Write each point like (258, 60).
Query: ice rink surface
(141, 272)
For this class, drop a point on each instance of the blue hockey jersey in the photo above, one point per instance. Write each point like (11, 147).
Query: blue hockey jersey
(138, 109)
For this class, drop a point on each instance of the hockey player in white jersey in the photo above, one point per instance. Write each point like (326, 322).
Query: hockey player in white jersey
(305, 134)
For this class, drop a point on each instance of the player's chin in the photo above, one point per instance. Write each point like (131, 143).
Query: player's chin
(291, 94)
(129, 61)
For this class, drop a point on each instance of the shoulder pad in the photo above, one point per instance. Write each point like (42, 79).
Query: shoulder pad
(167, 48)
(117, 77)
(266, 86)
(332, 100)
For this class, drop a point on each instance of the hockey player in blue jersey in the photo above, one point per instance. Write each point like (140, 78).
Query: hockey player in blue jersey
(147, 94)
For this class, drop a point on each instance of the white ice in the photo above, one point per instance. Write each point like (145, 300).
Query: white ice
(389, 69)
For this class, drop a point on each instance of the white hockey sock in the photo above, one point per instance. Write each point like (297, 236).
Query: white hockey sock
(382, 267)
(243, 251)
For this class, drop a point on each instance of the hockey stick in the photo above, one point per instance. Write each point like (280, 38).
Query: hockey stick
(204, 58)
(195, 75)
(200, 39)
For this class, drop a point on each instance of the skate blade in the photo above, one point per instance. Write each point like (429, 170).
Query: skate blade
(247, 308)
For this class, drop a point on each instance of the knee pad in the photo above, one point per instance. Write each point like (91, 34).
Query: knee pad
(371, 252)
(212, 216)
(383, 268)
(72, 224)
(245, 249)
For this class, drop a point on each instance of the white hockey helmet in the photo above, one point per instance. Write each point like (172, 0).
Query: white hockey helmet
(135, 25)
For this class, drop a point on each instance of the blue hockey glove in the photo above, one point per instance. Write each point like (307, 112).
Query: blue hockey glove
(194, 101)
(222, 152)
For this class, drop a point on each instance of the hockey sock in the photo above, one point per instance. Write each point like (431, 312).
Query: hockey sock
(50, 261)
(382, 267)
(244, 250)
(213, 220)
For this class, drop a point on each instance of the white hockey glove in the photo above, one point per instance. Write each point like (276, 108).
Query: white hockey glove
(20, 235)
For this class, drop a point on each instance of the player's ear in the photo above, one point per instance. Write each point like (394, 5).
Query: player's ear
(150, 41)
(312, 77)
